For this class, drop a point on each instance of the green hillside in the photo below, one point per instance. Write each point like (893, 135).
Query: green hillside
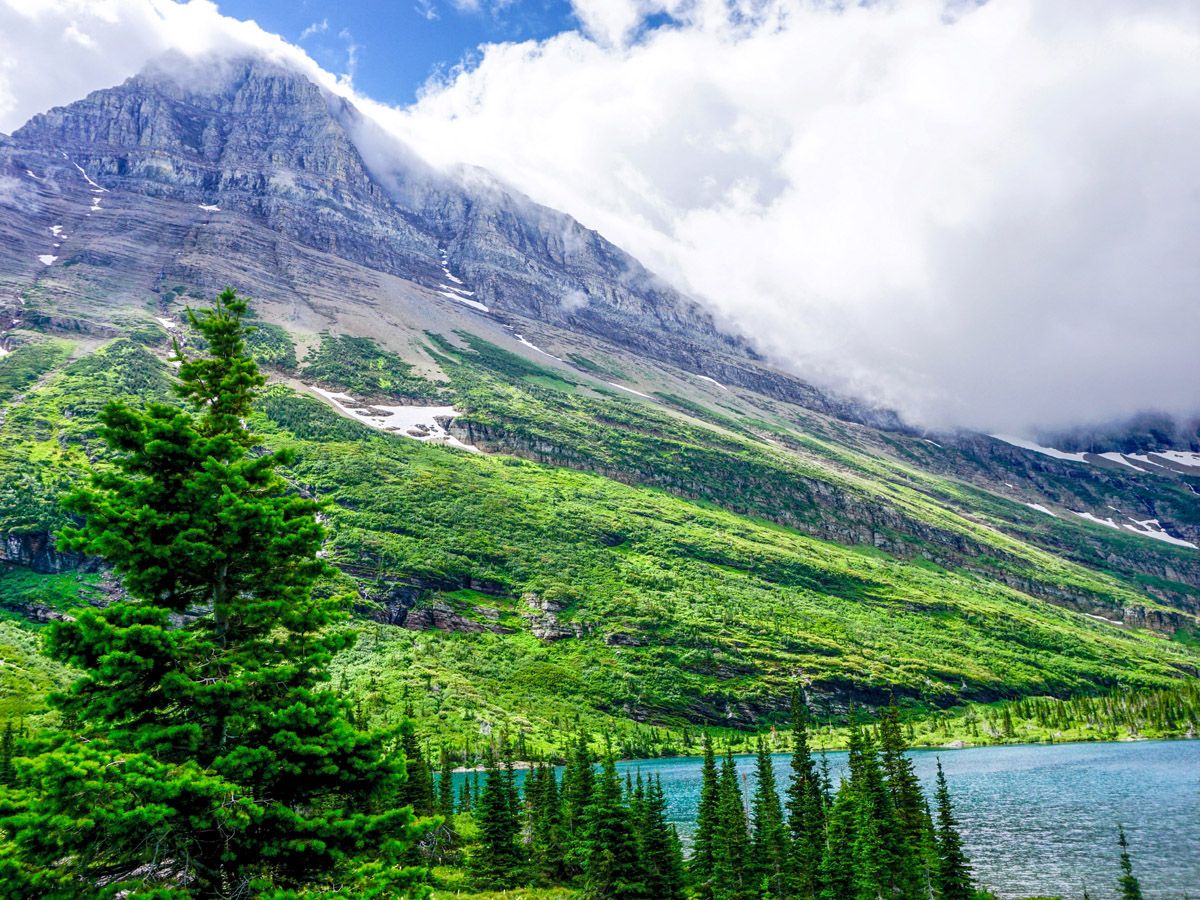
(656, 571)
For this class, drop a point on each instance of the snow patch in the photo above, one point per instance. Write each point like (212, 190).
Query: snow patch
(521, 340)
(631, 390)
(86, 178)
(46, 259)
(95, 204)
(416, 422)
(166, 323)
(1038, 448)
(713, 381)
(1179, 457)
(1151, 528)
(1040, 509)
(1118, 458)
(56, 230)
(474, 304)
(935, 443)
(1086, 515)
(4, 351)
(31, 175)
(209, 207)
(1103, 619)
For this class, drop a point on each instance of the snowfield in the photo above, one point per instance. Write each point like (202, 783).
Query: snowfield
(417, 422)
(1038, 448)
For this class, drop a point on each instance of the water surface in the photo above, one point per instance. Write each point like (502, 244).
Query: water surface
(1040, 820)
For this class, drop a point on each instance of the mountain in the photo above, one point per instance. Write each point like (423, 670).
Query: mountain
(554, 481)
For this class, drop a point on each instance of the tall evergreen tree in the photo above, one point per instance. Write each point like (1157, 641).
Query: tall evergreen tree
(704, 843)
(1131, 889)
(417, 791)
(953, 881)
(915, 852)
(200, 747)
(836, 873)
(497, 859)
(466, 801)
(731, 875)
(805, 811)
(876, 833)
(445, 786)
(7, 752)
(658, 843)
(612, 867)
(546, 837)
(770, 848)
(577, 789)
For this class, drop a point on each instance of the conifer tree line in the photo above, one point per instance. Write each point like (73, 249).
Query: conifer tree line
(873, 836)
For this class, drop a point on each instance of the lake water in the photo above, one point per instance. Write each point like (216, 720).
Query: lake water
(1041, 819)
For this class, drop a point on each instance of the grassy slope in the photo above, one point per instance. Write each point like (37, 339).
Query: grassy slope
(688, 612)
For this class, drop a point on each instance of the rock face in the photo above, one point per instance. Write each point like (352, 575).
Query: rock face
(36, 551)
(250, 138)
(542, 618)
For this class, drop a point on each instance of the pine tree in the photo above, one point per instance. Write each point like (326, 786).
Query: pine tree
(466, 801)
(658, 843)
(577, 788)
(496, 861)
(953, 881)
(770, 842)
(836, 874)
(805, 811)
(1130, 888)
(612, 868)
(915, 851)
(445, 787)
(7, 752)
(876, 834)
(200, 746)
(730, 878)
(546, 838)
(417, 791)
(703, 858)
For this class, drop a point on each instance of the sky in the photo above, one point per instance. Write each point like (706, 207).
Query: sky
(982, 214)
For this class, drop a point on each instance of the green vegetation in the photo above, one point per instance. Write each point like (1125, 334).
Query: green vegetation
(202, 758)
(576, 600)
(271, 346)
(22, 367)
(360, 367)
(224, 734)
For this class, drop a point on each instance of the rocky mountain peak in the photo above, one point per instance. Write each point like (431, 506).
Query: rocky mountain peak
(250, 137)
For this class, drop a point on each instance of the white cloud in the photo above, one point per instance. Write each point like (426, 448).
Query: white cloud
(41, 64)
(314, 29)
(985, 216)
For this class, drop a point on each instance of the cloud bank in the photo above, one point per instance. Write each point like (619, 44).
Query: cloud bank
(987, 216)
(53, 52)
(984, 215)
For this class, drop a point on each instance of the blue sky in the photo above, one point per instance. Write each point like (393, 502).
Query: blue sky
(398, 44)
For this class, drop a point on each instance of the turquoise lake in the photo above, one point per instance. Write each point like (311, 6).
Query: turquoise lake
(1040, 820)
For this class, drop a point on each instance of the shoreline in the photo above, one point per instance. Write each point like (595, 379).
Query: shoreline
(525, 765)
